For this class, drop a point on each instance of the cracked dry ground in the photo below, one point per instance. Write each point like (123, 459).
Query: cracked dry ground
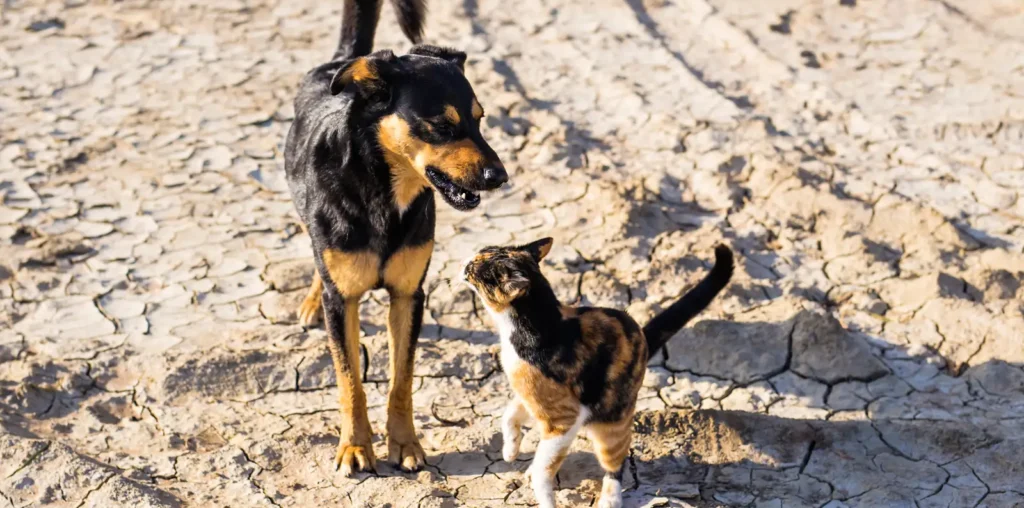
(864, 159)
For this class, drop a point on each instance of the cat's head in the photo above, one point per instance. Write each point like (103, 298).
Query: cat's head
(500, 275)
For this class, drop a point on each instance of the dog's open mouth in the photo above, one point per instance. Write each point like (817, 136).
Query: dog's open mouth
(459, 198)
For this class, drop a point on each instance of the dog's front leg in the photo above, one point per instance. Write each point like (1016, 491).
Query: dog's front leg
(404, 320)
(403, 276)
(355, 449)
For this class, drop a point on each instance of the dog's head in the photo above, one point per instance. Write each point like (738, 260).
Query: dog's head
(428, 120)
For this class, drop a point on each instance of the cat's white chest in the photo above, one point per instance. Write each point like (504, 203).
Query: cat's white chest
(510, 361)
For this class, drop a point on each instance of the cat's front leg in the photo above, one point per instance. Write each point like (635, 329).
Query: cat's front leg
(512, 428)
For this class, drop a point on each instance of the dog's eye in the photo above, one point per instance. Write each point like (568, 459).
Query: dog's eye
(441, 126)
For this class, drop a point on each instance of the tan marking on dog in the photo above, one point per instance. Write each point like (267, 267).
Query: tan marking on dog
(404, 270)
(545, 249)
(403, 446)
(356, 433)
(353, 273)
(311, 307)
(404, 152)
(452, 114)
(478, 110)
(406, 186)
(360, 70)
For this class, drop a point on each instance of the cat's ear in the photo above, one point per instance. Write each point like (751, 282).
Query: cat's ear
(539, 249)
(515, 285)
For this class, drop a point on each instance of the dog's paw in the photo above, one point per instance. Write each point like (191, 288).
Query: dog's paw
(352, 458)
(310, 310)
(407, 455)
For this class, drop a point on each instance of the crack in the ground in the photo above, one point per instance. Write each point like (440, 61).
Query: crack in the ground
(98, 487)
(30, 459)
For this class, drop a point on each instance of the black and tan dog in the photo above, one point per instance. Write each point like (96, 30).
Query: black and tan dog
(374, 135)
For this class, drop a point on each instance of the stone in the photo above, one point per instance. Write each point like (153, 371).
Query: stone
(754, 398)
(741, 352)
(908, 295)
(823, 350)
(999, 466)
(290, 275)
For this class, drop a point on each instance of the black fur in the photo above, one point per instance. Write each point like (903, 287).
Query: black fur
(359, 24)
(339, 181)
(663, 326)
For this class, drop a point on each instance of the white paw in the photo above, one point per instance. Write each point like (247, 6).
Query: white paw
(543, 488)
(610, 502)
(510, 451)
(512, 439)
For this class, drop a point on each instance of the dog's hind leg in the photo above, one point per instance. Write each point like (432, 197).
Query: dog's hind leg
(310, 309)
(403, 276)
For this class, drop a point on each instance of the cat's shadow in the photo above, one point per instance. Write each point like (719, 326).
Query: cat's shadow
(736, 458)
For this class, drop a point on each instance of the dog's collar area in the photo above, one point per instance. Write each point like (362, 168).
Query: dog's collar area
(458, 197)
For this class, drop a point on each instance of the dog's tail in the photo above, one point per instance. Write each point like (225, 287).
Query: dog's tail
(663, 326)
(359, 24)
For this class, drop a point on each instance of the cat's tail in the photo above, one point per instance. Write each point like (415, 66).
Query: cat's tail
(663, 326)
(359, 24)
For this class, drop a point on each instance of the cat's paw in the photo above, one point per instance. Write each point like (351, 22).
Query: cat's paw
(513, 438)
(611, 493)
(510, 451)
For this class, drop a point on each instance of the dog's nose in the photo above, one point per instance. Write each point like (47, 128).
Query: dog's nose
(494, 177)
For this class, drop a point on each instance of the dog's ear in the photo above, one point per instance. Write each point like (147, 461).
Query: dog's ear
(539, 249)
(452, 55)
(368, 76)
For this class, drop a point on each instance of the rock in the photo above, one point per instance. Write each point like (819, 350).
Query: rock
(963, 325)
(741, 352)
(799, 397)
(908, 295)
(849, 396)
(716, 438)
(753, 398)
(694, 392)
(74, 318)
(282, 307)
(290, 275)
(823, 350)
(938, 442)
(229, 375)
(998, 378)
(1000, 466)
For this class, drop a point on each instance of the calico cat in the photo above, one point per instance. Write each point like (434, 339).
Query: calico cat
(573, 367)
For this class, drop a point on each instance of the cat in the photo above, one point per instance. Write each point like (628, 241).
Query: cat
(573, 368)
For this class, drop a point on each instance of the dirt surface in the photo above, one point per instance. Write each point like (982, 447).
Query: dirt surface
(865, 159)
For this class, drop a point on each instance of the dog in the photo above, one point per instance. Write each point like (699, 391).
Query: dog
(374, 136)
